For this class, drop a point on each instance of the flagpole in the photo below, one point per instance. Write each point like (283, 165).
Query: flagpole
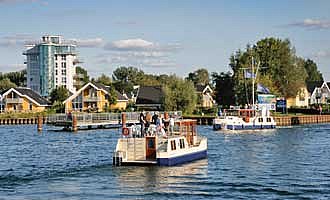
(253, 83)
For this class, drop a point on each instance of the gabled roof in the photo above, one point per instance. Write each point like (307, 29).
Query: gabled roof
(101, 86)
(312, 85)
(29, 94)
(202, 88)
(97, 86)
(150, 95)
(328, 84)
(120, 97)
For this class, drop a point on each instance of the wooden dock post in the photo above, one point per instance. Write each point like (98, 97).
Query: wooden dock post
(74, 123)
(39, 123)
(123, 120)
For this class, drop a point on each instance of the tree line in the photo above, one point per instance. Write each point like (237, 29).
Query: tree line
(279, 69)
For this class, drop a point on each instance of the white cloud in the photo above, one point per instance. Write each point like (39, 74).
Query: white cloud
(16, 40)
(312, 23)
(88, 43)
(139, 44)
(129, 45)
(322, 54)
(11, 67)
(139, 52)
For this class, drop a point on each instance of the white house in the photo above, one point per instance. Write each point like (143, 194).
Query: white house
(320, 92)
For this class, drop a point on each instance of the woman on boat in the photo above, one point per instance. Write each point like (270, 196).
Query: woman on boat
(171, 125)
(160, 125)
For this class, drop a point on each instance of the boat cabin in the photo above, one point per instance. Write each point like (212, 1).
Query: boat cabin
(155, 147)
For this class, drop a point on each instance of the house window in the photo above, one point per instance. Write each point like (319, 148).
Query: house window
(63, 79)
(182, 144)
(31, 106)
(63, 57)
(173, 145)
(268, 119)
(63, 65)
(260, 120)
(56, 80)
(56, 72)
(63, 72)
(56, 65)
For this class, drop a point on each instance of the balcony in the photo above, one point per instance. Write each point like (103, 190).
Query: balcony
(14, 100)
(91, 99)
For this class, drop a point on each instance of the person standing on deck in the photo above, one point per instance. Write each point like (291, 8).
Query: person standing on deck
(154, 118)
(143, 123)
(171, 125)
(148, 122)
(160, 125)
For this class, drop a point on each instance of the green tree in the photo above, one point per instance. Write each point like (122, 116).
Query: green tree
(279, 68)
(18, 78)
(128, 74)
(180, 95)
(126, 77)
(81, 77)
(224, 88)
(6, 84)
(104, 79)
(59, 94)
(200, 76)
(313, 74)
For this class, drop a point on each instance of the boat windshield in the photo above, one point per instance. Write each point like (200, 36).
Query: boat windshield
(240, 112)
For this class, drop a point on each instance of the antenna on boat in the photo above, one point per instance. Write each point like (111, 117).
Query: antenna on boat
(254, 76)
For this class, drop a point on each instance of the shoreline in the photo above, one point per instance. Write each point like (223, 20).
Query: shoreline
(289, 120)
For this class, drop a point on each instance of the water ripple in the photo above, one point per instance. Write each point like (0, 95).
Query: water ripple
(288, 163)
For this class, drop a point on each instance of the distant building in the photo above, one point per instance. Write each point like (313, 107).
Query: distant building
(150, 98)
(93, 97)
(50, 63)
(204, 94)
(300, 100)
(319, 91)
(22, 100)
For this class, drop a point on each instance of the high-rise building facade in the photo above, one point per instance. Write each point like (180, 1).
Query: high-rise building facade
(50, 63)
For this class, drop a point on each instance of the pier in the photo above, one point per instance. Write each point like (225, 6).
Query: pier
(113, 120)
(78, 121)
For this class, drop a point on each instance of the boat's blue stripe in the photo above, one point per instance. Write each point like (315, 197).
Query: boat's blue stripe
(249, 127)
(181, 159)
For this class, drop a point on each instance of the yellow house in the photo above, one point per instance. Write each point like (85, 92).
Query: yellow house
(93, 97)
(22, 100)
(300, 100)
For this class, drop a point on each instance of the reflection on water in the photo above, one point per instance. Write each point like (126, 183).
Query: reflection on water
(176, 179)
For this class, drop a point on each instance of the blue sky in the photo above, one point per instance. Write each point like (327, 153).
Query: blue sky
(164, 36)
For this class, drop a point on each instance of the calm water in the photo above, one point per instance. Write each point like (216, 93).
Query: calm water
(289, 163)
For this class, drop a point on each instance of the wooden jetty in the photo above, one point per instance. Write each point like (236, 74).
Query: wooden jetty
(98, 120)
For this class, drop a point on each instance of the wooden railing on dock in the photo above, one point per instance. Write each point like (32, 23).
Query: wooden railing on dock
(84, 119)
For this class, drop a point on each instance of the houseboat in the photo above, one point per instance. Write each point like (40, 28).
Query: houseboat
(244, 119)
(156, 147)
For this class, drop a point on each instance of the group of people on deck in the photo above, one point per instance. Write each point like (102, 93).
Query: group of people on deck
(164, 124)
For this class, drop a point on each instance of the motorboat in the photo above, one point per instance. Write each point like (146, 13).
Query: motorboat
(156, 146)
(244, 119)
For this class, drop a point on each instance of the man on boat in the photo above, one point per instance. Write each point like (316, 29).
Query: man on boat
(143, 123)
